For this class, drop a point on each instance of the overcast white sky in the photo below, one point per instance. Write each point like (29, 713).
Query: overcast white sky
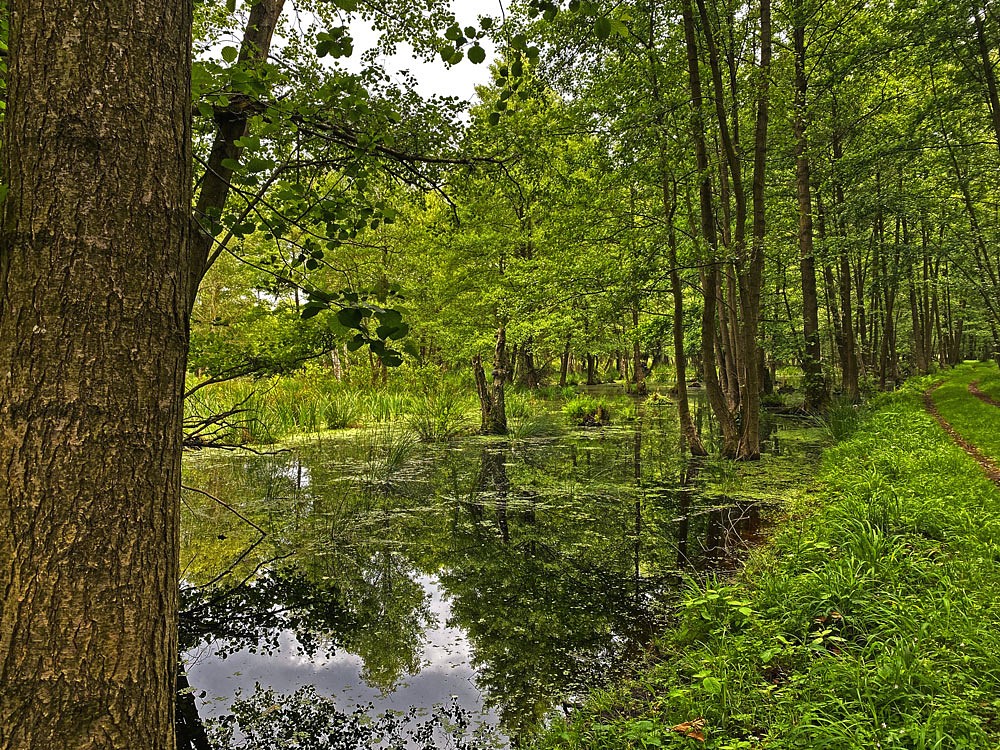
(434, 77)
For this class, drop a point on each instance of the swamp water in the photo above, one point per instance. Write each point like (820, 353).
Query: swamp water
(505, 578)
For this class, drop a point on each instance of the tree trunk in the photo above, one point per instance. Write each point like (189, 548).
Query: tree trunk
(751, 277)
(232, 123)
(851, 385)
(638, 363)
(688, 431)
(564, 362)
(710, 274)
(94, 300)
(816, 394)
(492, 408)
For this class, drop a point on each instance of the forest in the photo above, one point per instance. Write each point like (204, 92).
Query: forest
(645, 399)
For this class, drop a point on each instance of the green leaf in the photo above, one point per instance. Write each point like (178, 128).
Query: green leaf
(311, 309)
(602, 28)
(350, 317)
(476, 54)
(712, 685)
(231, 6)
(229, 54)
(494, 119)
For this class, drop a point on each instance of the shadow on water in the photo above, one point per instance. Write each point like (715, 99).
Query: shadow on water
(502, 580)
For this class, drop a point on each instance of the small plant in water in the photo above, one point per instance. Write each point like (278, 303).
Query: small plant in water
(588, 411)
(439, 416)
(388, 451)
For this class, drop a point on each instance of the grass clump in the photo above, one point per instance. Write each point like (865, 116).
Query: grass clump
(588, 411)
(527, 418)
(440, 415)
(841, 419)
(872, 621)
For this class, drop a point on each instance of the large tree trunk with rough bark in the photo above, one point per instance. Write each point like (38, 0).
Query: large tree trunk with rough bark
(94, 299)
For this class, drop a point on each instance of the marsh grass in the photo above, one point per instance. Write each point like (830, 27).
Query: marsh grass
(841, 419)
(870, 621)
(528, 417)
(388, 454)
(588, 411)
(441, 415)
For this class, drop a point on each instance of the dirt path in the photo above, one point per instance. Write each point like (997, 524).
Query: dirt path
(984, 397)
(990, 468)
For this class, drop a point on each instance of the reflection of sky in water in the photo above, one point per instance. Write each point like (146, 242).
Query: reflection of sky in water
(446, 671)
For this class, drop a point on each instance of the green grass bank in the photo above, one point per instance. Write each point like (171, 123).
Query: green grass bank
(871, 619)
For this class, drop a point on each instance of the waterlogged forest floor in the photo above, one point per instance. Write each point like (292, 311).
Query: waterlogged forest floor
(871, 620)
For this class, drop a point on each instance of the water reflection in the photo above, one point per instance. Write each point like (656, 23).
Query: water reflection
(514, 576)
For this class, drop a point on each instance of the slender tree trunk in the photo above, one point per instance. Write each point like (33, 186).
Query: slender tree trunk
(232, 123)
(751, 278)
(94, 300)
(816, 393)
(638, 365)
(688, 431)
(564, 362)
(710, 275)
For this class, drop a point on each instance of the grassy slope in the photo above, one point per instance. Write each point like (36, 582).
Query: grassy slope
(974, 420)
(874, 622)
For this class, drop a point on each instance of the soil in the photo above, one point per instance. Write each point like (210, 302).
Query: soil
(984, 397)
(990, 468)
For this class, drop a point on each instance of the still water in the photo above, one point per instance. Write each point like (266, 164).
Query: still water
(511, 577)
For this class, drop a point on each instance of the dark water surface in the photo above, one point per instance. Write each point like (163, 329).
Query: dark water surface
(512, 577)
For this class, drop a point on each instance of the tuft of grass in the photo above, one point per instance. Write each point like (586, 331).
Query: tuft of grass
(440, 416)
(588, 411)
(388, 452)
(841, 419)
(527, 417)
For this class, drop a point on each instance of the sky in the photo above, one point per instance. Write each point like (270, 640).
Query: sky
(435, 77)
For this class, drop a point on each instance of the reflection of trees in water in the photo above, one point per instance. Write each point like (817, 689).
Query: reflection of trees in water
(554, 556)
(551, 595)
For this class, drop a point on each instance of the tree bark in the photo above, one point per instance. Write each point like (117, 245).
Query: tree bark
(492, 407)
(688, 431)
(94, 300)
(710, 274)
(564, 361)
(232, 125)
(812, 366)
